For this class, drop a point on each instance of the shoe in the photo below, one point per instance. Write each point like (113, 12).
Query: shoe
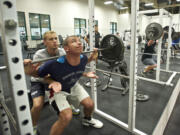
(143, 74)
(35, 131)
(93, 122)
(75, 111)
(151, 71)
(88, 84)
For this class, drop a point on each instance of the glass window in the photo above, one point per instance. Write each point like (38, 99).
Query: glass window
(79, 26)
(113, 27)
(39, 24)
(22, 25)
(45, 23)
(96, 22)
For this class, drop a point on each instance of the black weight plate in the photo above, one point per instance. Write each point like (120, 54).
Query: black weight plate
(114, 47)
(154, 31)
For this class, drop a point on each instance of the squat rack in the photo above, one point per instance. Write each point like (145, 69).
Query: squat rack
(15, 70)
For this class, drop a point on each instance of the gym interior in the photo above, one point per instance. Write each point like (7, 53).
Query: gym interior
(127, 101)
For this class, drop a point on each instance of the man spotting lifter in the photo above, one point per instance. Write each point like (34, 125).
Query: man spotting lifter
(38, 87)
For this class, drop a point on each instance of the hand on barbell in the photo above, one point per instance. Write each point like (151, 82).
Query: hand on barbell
(94, 55)
(31, 69)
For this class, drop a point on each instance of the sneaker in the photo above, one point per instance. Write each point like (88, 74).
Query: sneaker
(35, 131)
(75, 111)
(88, 84)
(151, 71)
(143, 74)
(93, 122)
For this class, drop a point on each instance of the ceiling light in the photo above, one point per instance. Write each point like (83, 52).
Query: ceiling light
(178, 0)
(108, 2)
(149, 4)
(123, 8)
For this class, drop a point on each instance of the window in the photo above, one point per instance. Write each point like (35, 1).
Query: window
(79, 26)
(39, 24)
(96, 22)
(113, 27)
(22, 25)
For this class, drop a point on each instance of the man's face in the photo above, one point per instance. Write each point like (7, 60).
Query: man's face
(150, 42)
(96, 28)
(74, 45)
(51, 41)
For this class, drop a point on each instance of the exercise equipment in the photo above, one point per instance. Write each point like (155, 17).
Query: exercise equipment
(112, 47)
(154, 31)
(115, 45)
(142, 97)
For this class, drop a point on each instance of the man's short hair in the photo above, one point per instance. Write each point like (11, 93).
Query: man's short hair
(46, 34)
(65, 42)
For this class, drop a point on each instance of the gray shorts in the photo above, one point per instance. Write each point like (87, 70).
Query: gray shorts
(150, 61)
(62, 100)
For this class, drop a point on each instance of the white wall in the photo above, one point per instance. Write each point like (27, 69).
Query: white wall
(63, 12)
(124, 22)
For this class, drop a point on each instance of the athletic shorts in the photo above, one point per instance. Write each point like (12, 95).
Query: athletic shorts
(37, 89)
(150, 61)
(62, 100)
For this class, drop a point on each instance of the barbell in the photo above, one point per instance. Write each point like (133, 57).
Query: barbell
(111, 48)
(154, 31)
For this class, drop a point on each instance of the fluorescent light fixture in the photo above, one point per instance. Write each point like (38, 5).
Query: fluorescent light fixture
(178, 0)
(36, 16)
(149, 4)
(108, 2)
(123, 8)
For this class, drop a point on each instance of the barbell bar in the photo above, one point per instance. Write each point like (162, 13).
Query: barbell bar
(55, 57)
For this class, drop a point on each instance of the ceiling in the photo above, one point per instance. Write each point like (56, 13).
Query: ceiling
(170, 5)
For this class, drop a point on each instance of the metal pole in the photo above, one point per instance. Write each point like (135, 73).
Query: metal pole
(133, 65)
(169, 44)
(13, 55)
(159, 50)
(179, 23)
(3, 68)
(154, 81)
(170, 78)
(92, 44)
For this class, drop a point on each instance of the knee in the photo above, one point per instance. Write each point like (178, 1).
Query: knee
(89, 104)
(38, 105)
(66, 116)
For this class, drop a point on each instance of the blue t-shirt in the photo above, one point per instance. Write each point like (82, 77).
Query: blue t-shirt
(61, 71)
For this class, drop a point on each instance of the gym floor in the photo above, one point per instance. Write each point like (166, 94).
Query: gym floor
(114, 103)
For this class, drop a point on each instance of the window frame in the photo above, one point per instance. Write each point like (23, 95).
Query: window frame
(113, 27)
(39, 24)
(79, 27)
(24, 18)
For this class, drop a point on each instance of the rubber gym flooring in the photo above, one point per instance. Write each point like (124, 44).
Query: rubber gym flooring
(114, 103)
